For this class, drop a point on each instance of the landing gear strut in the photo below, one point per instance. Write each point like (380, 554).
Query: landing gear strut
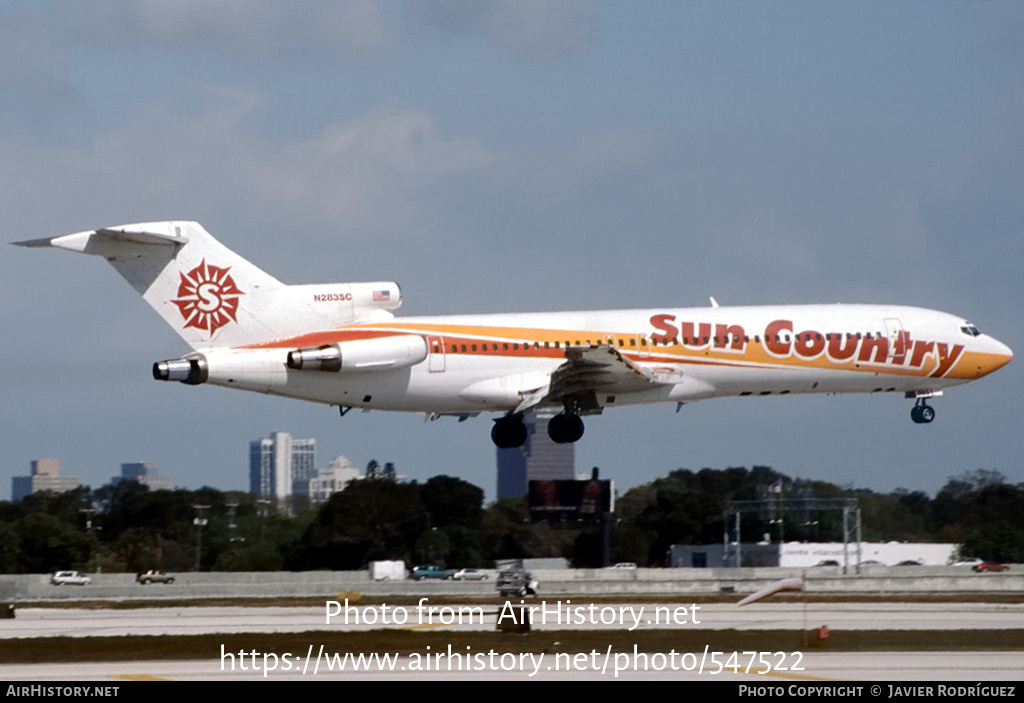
(509, 431)
(922, 413)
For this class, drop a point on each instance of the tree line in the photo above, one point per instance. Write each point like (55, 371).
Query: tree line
(444, 521)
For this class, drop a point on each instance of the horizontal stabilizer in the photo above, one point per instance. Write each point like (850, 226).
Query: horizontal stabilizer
(143, 236)
(35, 243)
(113, 242)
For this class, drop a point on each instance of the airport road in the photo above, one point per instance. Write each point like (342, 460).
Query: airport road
(556, 614)
(816, 668)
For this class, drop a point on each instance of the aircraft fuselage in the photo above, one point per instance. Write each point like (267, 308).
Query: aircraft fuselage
(691, 353)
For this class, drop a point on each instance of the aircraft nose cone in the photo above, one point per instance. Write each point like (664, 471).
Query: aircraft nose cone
(1003, 350)
(998, 356)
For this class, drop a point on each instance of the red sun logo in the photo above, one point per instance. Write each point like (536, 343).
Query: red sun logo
(208, 298)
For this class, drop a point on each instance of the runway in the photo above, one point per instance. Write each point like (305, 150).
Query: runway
(471, 662)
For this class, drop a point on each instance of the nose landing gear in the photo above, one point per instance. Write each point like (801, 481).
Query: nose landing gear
(922, 413)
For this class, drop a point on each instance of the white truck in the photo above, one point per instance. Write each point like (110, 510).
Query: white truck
(387, 570)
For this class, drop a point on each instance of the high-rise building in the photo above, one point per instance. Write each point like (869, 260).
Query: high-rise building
(281, 465)
(303, 465)
(538, 459)
(144, 472)
(45, 477)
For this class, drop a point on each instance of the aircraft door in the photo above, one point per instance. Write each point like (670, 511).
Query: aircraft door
(435, 343)
(897, 340)
(643, 346)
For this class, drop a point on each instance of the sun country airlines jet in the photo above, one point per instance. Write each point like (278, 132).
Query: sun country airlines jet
(340, 343)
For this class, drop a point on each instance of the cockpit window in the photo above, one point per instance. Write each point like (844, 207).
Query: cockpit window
(969, 329)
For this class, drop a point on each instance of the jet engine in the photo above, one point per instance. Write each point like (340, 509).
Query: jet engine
(192, 371)
(382, 353)
(260, 370)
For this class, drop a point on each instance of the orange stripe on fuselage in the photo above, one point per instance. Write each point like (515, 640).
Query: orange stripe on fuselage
(920, 358)
(319, 339)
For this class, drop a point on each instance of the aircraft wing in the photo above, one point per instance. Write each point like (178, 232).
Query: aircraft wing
(586, 372)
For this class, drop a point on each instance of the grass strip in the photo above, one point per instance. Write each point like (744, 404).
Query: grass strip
(176, 647)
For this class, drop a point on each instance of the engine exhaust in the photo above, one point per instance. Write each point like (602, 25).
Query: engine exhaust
(192, 371)
(325, 358)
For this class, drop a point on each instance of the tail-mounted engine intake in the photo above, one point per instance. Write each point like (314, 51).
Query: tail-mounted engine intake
(192, 371)
(395, 352)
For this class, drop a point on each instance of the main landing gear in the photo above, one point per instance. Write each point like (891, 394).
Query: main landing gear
(510, 431)
(565, 428)
(922, 413)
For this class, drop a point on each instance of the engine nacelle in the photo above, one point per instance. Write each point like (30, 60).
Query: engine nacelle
(260, 370)
(325, 358)
(395, 352)
(193, 370)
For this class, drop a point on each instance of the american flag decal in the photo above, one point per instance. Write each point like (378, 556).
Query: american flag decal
(381, 296)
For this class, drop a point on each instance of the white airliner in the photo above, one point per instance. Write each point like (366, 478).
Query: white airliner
(340, 343)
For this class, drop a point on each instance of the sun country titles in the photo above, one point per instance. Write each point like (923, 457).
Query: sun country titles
(781, 342)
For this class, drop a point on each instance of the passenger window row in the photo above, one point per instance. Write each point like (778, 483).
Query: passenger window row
(631, 342)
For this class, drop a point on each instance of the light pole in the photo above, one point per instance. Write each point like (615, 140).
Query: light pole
(199, 522)
(88, 512)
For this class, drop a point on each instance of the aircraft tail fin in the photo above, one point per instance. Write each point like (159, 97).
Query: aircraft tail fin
(212, 296)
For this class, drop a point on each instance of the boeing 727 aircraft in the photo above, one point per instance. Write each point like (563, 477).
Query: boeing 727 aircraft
(340, 343)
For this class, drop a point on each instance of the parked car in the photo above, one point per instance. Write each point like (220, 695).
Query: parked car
(623, 565)
(966, 561)
(910, 562)
(153, 576)
(431, 572)
(827, 562)
(990, 566)
(70, 578)
(469, 575)
(871, 562)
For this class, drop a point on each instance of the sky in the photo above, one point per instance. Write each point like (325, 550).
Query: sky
(495, 156)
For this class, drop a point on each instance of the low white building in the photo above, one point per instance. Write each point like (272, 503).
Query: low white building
(885, 553)
(799, 554)
(333, 479)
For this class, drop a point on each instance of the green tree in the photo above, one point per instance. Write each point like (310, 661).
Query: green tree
(47, 543)
(452, 501)
(371, 519)
(432, 547)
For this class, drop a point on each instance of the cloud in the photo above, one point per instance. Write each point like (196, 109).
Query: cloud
(248, 30)
(373, 166)
(531, 28)
(369, 172)
(577, 170)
